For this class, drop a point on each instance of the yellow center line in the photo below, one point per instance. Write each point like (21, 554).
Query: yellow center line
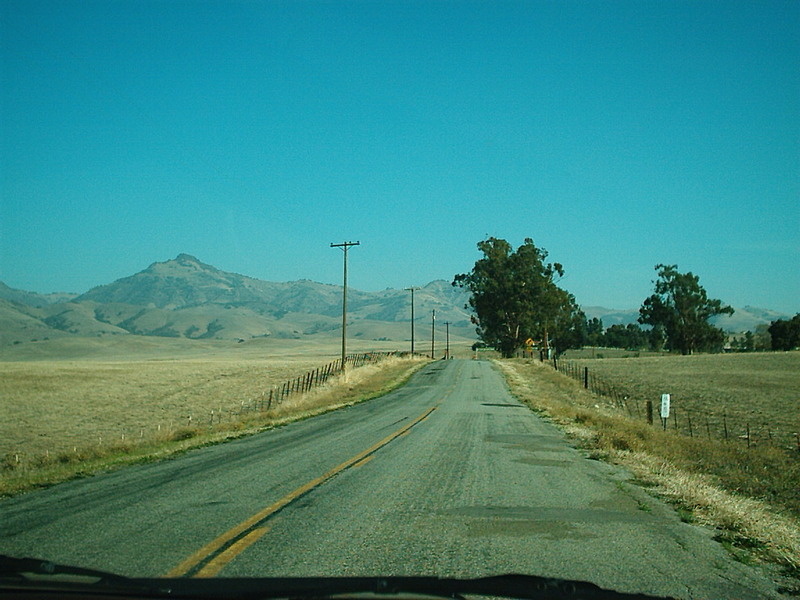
(244, 529)
(216, 564)
(364, 461)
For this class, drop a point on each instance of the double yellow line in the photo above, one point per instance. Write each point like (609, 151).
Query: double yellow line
(211, 558)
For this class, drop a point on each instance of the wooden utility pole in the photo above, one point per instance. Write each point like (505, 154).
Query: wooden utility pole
(433, 335)
(447, 346)
(345, 246)
(412, 289)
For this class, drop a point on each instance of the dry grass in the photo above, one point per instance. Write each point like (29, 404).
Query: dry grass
(361, 384)
(53, 406)
(718, 391)
(750, 495)
(743, 521)
(93, 401)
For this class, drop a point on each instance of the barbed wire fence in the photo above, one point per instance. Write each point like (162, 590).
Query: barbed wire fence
(177, 429)
(303, 384)
(692, 422)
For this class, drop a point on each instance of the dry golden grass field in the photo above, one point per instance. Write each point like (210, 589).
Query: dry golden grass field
(53, 406)
(146, 400)
(115, 393)
(716, 391)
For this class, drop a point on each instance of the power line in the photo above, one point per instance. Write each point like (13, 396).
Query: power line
(433, 335)
(345, 246)
(412, 289)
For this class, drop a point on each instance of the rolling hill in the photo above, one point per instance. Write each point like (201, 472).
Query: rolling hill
(187, 298)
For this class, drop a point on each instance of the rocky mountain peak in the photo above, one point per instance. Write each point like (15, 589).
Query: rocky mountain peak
(184, 263)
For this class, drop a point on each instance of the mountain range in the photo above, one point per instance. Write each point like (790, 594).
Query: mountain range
(185, 297)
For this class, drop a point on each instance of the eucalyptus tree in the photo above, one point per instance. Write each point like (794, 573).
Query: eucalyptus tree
(681, 307)
(515, 296)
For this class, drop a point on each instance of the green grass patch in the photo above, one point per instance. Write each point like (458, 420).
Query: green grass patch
(686, 516)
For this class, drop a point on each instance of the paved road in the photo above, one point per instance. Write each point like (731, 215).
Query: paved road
(448, 476)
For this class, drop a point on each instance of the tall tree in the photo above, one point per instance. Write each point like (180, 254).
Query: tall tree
(785, 333)
(515, 296)
(594, 331)
(629, 337)
(682, 308)
(569, 328)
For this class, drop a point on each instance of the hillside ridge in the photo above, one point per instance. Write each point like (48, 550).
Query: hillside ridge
(185, 297)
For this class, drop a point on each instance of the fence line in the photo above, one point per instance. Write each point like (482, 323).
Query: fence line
(175, 429)
(305, 383)
(683, 421)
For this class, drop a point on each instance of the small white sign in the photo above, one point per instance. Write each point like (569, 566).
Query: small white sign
(665, 406)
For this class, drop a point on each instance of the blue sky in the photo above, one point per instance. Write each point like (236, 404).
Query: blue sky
(617, 135)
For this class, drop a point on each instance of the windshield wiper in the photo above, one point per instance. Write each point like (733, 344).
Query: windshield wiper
(38, 573)
(31, 573)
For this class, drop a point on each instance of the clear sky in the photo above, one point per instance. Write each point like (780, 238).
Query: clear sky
(252, 134)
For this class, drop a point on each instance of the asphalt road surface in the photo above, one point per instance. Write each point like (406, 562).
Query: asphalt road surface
(447, 476)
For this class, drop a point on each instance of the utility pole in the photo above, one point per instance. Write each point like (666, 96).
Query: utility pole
(546, 344)
(433, 335)
(447, 347)
(345, 246)
(412, 289)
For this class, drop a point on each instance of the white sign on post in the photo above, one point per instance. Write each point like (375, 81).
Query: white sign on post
(664, 406)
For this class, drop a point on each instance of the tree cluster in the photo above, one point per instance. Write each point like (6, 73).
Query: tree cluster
(628, 337)
(681, 308)
(746, 343)
(785, 335)
(515, 297)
